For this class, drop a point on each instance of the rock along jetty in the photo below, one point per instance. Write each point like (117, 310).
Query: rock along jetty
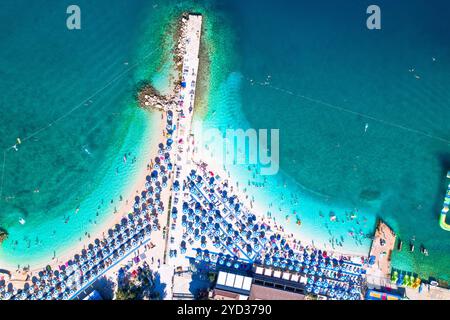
(148, 97)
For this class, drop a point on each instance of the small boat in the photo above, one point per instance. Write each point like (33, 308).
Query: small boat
(399, 245)
(411, 247)
(22, 221)
(423, 250)
(366, 127)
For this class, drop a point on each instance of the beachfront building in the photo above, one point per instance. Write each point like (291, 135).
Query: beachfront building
(235, 286)
(232, 286)
(293, 284)
(267, 293)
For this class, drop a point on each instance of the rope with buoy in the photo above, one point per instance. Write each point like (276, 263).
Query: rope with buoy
(346, 110)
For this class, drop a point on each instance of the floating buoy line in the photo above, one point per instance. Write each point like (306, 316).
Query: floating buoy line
(267, 84)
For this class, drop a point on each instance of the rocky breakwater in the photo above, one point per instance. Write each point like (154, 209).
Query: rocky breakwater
(150, 98)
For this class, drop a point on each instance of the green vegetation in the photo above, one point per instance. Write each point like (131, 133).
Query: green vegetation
(128, 293)
(138, 285)
(211, 277)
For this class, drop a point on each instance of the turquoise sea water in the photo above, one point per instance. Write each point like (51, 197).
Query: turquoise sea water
(340, 75)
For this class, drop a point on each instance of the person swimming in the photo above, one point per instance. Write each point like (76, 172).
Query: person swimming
(332, 216)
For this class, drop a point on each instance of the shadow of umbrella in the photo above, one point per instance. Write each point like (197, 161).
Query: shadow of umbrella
(159, 289)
